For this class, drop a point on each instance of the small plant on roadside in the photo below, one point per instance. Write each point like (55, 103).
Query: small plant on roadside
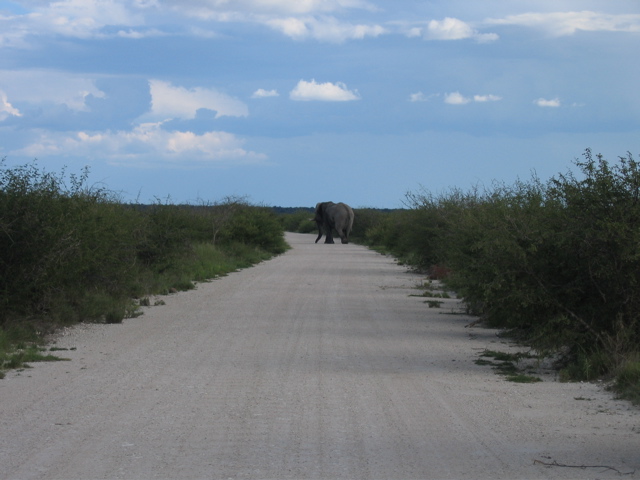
(522, 378)
(434, 294)
(113, 317)
(627, 381)
(22, 355)
(430, 292)
(505, 364)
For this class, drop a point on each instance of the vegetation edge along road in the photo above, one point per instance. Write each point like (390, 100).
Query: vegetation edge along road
(556, 263)
(72, 252)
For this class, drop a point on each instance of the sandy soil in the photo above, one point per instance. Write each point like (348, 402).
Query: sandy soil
(318, 364)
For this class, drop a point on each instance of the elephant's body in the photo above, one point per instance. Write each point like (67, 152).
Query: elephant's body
(330, 216)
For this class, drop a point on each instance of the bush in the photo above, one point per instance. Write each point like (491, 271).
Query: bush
(70, 252)
(58, 243)
(300, 221)
(556, 262)
(627, 381)
(368, 219)
(257, 226)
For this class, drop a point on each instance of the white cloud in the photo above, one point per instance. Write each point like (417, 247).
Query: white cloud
(298, 19)
(262, 93)
(413, 32)
(6, 109)
(452, 29)
(329, 92)
(278, 7)
(291, 27)
(331, 30)
(542, 102)
(568, 23)
(448, 29)
(168, 101)
(49, 86)
(325, 29)
(137, 34)
(147, 144)
(77, 19)
(80, 18)
(456, 98)
(486, 37)
(421, 97)
(145, 3)
(486, 98)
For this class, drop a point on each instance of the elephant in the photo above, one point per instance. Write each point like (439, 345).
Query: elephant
(338, 216)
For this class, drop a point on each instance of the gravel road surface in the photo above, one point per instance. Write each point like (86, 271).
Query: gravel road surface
(318, 364)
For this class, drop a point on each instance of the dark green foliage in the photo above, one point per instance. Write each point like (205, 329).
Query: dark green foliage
(557, 262)
(21, 357)
(59, 243)
(168, 230)
(628, 381)
(367, 221)
(300, 221)
(71, 252)
(505, 364)
(257, 226)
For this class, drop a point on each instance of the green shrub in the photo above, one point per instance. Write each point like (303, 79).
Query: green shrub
(365, 222)
(257, 226)
(57, 243)
(557, 262)
(72, 252)
(627, 382)
(300, 221)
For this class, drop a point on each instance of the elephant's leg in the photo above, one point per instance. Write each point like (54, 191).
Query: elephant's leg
(328, 236)
(343, 234)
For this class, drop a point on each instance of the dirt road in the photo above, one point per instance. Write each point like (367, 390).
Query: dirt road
(315, 365)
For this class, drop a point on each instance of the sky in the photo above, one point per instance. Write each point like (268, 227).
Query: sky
(293, 102)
